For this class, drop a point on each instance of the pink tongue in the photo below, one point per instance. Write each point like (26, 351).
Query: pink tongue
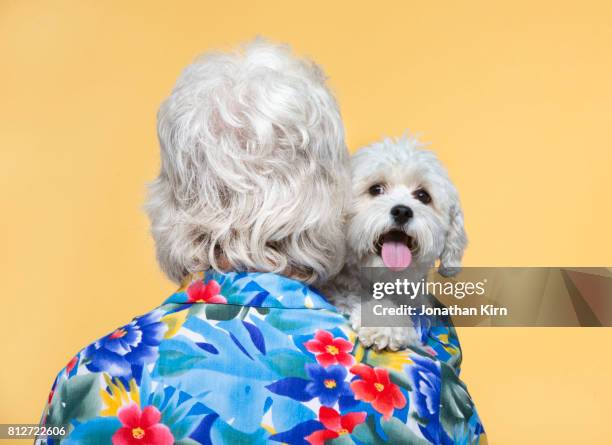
(396, 256)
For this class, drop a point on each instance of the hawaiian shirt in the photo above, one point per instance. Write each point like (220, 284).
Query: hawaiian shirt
(254, 358)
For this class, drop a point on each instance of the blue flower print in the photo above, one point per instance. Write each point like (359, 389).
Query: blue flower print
(133, 344)
(327, 383)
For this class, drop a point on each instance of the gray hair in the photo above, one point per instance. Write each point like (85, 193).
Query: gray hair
(254, 167)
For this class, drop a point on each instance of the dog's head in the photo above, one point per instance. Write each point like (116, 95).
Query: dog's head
(405, 211)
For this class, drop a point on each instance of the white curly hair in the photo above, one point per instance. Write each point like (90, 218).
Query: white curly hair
(254, 168)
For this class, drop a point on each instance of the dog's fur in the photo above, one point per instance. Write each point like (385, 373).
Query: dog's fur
(255, 170)
(436, 229)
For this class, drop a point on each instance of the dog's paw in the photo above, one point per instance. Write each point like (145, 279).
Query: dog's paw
(392, 339)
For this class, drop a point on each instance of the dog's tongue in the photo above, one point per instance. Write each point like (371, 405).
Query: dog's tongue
(396, 255)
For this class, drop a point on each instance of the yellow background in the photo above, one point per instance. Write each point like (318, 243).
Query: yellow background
(516, 97)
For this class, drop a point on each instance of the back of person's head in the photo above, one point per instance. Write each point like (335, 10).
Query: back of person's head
(254, 167)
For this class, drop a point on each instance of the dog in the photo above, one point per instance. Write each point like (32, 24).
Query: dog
(404, 215)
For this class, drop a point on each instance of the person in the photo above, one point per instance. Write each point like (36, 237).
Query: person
(247, 215)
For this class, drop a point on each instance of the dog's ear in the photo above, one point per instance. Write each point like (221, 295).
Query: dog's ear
(454, 245)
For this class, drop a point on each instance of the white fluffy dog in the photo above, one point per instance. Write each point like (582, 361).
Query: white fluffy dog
(405, 214)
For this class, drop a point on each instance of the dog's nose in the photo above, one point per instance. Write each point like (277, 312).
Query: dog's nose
(401, 214)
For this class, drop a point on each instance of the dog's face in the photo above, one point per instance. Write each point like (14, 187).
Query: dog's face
(405, 211)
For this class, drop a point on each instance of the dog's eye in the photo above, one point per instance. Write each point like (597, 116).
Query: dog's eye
(376, 189)
(423, 196)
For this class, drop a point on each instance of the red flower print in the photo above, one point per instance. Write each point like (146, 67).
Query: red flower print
(141, 427)
(335, 425)
(329, 350)
(199, 292)
(70, 366)
(376, 388)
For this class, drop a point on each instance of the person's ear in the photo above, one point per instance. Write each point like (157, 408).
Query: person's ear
(454, 245)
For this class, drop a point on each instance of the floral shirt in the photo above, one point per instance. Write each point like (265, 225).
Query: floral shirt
(254, 358)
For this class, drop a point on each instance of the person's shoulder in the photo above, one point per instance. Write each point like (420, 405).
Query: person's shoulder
(114, 361)
(123, 351)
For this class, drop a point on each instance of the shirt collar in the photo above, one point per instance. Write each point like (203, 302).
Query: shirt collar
(255, 289)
